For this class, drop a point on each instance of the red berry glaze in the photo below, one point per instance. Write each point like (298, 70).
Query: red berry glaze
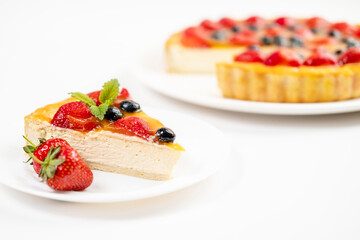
(250, 56)
(284, 57)
(75, 115)
(133, 126)
(321, 58)
(350, 56)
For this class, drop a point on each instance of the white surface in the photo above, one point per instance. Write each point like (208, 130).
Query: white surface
(201, 89)
(199, 161)
(288, 177)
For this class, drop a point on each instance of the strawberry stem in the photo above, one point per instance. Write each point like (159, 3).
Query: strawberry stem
(29, 141)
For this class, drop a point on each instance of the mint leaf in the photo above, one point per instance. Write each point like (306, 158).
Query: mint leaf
(99, 111)
(109, 92)
(84, 98)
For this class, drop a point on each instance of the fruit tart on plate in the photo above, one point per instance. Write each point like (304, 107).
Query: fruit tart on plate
(110, 132)
(272, 60)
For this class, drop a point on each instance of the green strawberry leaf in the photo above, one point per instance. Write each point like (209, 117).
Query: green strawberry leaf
(84, 98)
(109, 92)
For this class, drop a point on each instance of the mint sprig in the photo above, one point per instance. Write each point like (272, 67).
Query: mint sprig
(107, 97)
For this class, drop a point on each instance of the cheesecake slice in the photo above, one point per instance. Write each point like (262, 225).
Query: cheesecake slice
(124, 140)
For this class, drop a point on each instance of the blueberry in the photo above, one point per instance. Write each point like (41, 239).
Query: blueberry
(266, 41)
(335, 34)
(254, 47)
(113, 114)
(295, 41)
(339, 51)
(129, 106)
(253, 28)
(351, 42)
(219, 35)
(165, 135)
(279, 41)
(314, 30)
(235, 29)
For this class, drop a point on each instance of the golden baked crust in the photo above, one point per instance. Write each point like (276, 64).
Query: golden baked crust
(283, 84)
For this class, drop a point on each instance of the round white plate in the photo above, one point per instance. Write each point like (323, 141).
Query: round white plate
(201, 89)
(206, 150)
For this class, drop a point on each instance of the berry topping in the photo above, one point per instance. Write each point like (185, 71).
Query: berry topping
(227, 22)
(279, 41)
(254, 47)
(165, 135)
(75, 115)
(193, 37)
(245, 37)
(350, 56)
(218, 35)
(256, 21)
(317, 22)
(351, 42)
(339, 51)
(235, 29)
(113, 114)
(284, 57)
(130, 106)
(335, 33)
(321, 58)
(133, 126)
(250, 56)
(210, 25)
(295, 41)
(253, 28)
(304, 33)
(286, 21)
(344, 27)
(95, 96)
(60, 166)
(266, 41)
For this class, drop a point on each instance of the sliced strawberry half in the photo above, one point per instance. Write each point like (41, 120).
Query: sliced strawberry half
(210, 25)
(134, 126)
(75, 115)
(250, 56)
(317, 22)
(193, 37)
(255, 20)
(321, 58)
(227, 22)
(286, 21)
(284, 57)
(350, 56)
(344, 27)
(245, 37)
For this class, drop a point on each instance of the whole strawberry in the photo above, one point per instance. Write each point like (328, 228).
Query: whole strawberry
(59, 165)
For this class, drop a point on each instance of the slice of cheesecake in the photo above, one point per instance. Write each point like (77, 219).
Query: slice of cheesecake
(122, 139)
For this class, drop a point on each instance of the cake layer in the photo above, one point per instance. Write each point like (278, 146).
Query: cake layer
(258, 82)
(111, 152)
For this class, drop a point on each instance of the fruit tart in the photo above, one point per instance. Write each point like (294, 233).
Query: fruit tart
(198, 48)
(110, 132)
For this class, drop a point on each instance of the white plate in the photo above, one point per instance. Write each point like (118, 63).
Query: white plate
(206, 150)
(201, 89)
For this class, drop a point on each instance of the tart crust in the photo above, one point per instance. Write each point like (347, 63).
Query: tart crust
(283, 84)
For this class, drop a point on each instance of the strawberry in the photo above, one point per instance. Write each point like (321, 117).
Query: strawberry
(245, 37)
(227, 22)
(75, 115)
(61, 167)
(193, 37)
(95, 96)
(255, 20)
(350, 56)
(210, 25)
(344, 27)
(133, 126)
(250, 56)
(321, 58)
(317, 22)
(284, 57)
(286, 21)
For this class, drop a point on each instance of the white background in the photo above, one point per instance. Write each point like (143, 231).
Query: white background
(287, 178)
